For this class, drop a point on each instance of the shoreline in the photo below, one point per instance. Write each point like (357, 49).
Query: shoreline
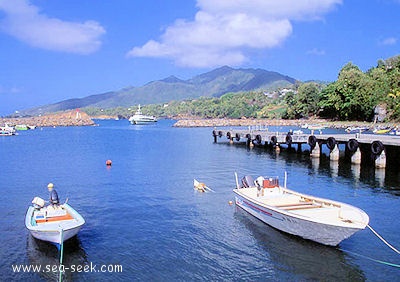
(77, 118)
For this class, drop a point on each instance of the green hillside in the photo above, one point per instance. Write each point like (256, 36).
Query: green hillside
(211, 84)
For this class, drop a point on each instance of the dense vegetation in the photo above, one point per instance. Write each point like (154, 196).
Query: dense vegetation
(353, 96)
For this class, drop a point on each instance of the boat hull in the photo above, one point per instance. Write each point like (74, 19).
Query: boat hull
(142, 122)
(139, 118)
(54, 236)
(51, 232)
(316, 231)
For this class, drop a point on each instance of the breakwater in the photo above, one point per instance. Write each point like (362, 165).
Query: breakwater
(68, 118)
(221, 122)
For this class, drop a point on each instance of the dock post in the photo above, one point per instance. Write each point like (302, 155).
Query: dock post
(298, 147)
(380, 161)
(316, 152)
(356, 157)
(214, 133)
(334, 155)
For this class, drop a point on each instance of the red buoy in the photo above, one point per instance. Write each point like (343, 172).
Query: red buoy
(108, 163)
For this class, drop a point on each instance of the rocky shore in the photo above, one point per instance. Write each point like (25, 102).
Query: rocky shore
(265, 122)
(68, 118)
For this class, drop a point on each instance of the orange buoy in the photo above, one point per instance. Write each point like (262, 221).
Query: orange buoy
(108, 163)
(230, 203)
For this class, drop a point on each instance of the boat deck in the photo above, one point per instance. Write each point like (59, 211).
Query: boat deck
(49, 215)
(296, 204)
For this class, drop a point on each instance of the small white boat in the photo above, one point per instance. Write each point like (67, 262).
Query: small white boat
(7, 130)
(201, 187)
(321, 220)
(21, 127)
(358, 129)
(140, 118)
(52, 224)
(382, 130)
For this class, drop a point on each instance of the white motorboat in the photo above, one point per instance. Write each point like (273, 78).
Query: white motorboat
(7, 130)
(321, 220)
(140, 118)
(53, 224)
(358, 129)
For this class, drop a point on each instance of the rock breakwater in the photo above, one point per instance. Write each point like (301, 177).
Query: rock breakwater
(68, 118)
(264, 122)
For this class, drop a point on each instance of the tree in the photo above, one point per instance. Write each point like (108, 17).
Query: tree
(307, 99)
(347, 98)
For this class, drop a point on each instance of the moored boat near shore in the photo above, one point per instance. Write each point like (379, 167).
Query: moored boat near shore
(21, 127)
(7, 130)
(321, 220)
(356, 129)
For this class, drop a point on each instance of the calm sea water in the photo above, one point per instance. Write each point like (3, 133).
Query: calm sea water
(143, 214)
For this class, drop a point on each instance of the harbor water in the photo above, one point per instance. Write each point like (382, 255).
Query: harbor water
(143, 215)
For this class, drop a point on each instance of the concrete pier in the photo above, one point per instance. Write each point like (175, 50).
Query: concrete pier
(334, 155)
(356, 157)
(358, 147)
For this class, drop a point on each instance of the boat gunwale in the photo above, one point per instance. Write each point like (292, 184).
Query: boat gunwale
(354, 224)
(41, 228)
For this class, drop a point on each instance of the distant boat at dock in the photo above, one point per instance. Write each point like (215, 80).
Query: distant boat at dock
(382, 130)
(7, 130)
(358, 129)
(321, 220)
(21, 127)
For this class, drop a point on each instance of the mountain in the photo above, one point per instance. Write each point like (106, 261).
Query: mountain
(210, 84)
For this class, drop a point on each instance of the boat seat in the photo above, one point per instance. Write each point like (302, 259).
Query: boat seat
(280, 200)
(294, 204)
(55, 218)
(301, 207)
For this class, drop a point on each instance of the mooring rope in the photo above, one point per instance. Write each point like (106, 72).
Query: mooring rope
(383, 240)
(377, 260)
(372, 259)
(61, 252)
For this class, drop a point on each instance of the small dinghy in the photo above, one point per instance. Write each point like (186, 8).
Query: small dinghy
(321, 220)
(54, 224)
(201, 187)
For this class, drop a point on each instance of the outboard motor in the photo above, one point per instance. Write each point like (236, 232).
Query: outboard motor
(38, 203)
(247, 181)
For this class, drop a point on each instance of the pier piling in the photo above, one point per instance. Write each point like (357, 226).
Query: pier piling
(358, 147)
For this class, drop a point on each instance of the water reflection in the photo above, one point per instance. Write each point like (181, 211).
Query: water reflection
(380, 176)
(309, 260)
(356, 172)
(47, 256)
(387, 179)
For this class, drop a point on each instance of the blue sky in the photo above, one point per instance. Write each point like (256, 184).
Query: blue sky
(53, 50)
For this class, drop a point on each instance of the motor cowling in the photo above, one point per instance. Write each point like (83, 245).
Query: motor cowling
(38, 202)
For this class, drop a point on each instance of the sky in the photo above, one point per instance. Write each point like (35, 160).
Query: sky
(52, 50)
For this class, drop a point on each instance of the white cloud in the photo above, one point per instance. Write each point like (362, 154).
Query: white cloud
(316, 52)
(25, 21)
(223, 30)
(389, 41)
(10, 90)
